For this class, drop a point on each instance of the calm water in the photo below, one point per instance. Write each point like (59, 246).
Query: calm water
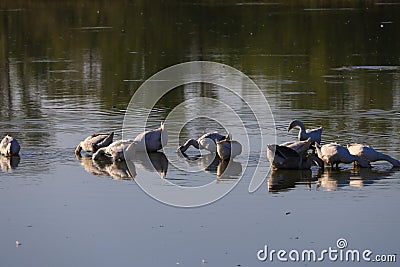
(69, 69)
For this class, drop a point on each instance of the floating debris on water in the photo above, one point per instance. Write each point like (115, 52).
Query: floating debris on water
(367, 68)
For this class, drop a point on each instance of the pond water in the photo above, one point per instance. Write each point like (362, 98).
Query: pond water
(69, 69)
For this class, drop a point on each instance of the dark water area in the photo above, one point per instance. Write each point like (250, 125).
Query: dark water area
(69, 69)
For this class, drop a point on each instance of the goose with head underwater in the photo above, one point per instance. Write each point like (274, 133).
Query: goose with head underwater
(369, 154)
(228, 148)
(207, 141)
(148, 141)
(93, 142)
(284, 157)
(301, 147)
(152, 140)
(115, 150)
(9, 146)
(334, 153)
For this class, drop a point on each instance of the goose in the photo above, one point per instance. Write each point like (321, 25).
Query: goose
(314, 134)
(152, 140)
(227, 149)
(206, 141)
(301, 147)
(114, 150)
(9, 146)
(93, 142)
(369, 154)
(206, 162)
(283, 157)
(334, 153)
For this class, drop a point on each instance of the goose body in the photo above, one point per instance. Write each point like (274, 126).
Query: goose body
(227, 149)
(334, 154)
(369, 154)
(152, 140)
(9, 146)
(114, 150)
(300, 147)
(207, 141)
(93, 142)
(314, 134)
(283, 157)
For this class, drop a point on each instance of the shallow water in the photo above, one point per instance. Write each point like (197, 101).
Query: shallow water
(68, 70)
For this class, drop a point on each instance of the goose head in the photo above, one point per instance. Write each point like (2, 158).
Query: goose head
(296, 123)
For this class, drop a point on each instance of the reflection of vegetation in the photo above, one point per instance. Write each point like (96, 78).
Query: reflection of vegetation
(88, 49)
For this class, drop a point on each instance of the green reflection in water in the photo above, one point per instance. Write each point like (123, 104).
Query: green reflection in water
(99, 52)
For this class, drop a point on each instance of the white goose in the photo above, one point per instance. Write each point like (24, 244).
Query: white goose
(283, 157)
(9, 146)
(152, 140)
(301, 147)
(93, 142)
(369, 154)
(314, 134)
(207, 141)
(114, 150)
(334, 154)
(227, 149)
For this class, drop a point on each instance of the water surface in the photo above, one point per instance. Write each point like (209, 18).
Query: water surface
(69, 69)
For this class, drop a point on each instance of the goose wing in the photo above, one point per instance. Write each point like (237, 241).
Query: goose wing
(283, 151)
(300, 147)
(151, 140)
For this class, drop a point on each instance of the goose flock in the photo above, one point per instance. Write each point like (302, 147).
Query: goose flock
(299, 154)
(295, 155)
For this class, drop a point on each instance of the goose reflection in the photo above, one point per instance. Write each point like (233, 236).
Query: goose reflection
(284, 180)
(333, 179)
(228, 170)
(224, 169)
(118, 170)
(205, 162)
(8, 164)
(154, 161)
